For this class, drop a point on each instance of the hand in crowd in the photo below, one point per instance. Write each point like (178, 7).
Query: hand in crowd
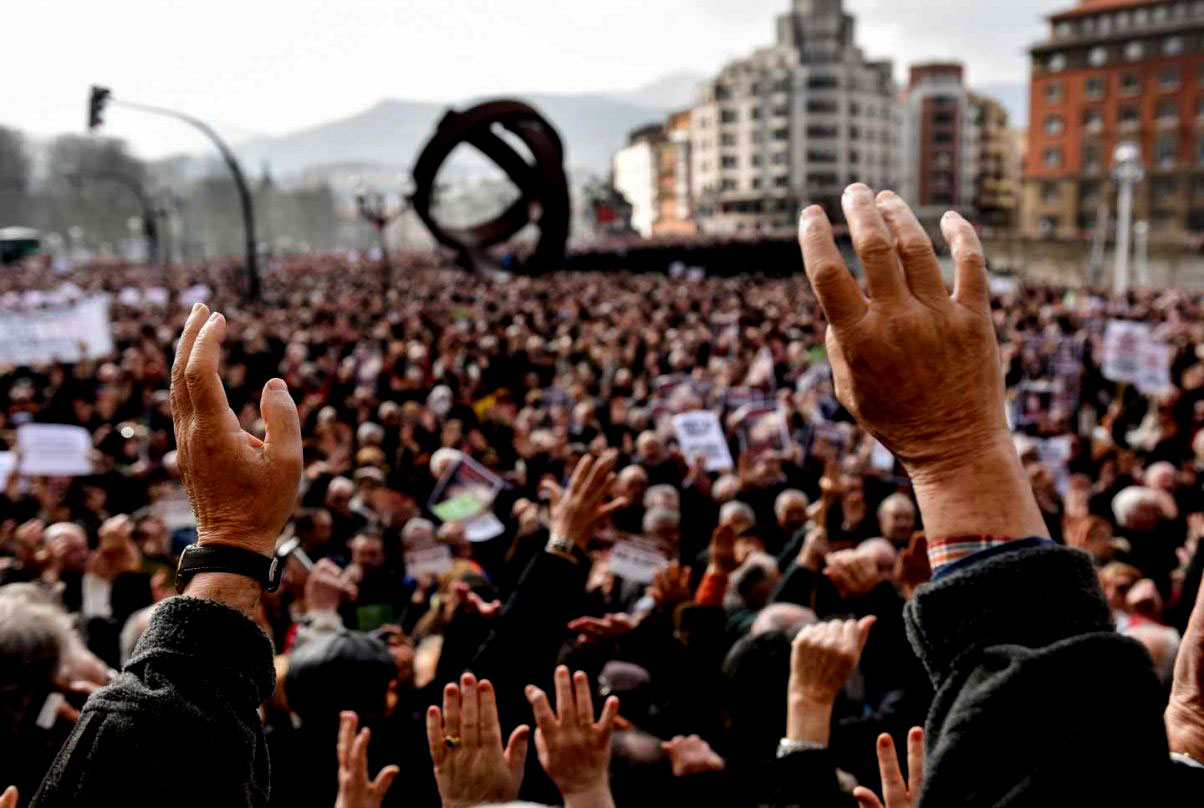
(242, 488)
(9, 798)
(116, 552)
(608, 627)
(573, 748)
(912, 568)
(897, 792)
(465, 740)
(671, 586)
(814, 550)
(852, 572)
(355, 789)
(722, 552)
(326, 589)
(1185, 712)
(822, 658)
(577, 512)
(690, 754)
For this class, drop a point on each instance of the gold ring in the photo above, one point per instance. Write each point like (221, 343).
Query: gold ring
(452, 741)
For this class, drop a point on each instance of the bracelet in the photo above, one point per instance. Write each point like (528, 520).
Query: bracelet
(559, 545)
(788, 746)
(1187, 760)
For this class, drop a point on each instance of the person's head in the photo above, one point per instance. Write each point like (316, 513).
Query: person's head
(345, 670)
(34, 639)
(790, 509)
(132, 631)
(1117, 579)
(753, 582)
(1093, 534)
(787, 618)
(368, 551)
(370, 434)
(883, 553)
(1162, 643)
(633, 483)
(442, 460)
(897, 519)
(662, 525)
(68, 546)
(662, 496)
(737, 515)
(1136, 509)
(314, 527)
(725, 488)
(339, 493)
(1161, 476)
(418, 531)
(650, 448)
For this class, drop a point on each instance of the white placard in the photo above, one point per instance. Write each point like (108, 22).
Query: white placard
(1154, 377)
(432, 559)
(881, 458)
(67, 334)
(699, 432)
(484, 527)
(8, 464)
(57, 450)
(194, 294)
(1125, 343)
(636, 560)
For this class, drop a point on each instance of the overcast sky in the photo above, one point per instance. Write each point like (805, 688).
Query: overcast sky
(270, 66)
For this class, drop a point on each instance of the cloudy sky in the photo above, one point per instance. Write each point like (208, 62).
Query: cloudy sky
(270, 66)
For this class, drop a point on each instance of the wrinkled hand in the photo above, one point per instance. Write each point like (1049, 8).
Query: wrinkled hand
(242, 489)
(610, 627)
(577, 512)
(815, 549)
(461, 595)
(918, 368)
(912, 567)
(822, 658)
(1185, 713)
(898, 794)
(573, 748)
(722, 552)
(465, 741)
(116, 552)
(326, 588)
(852, 573)
(671, 586)
(691, 755)
(355, 789)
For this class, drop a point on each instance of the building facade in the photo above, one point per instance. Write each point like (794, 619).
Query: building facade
(997, 181)
(1115, 72)
(635, 170)
(792, 125)
(653, 173)
(940, 142)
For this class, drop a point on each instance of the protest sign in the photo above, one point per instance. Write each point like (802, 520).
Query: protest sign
(636, 560)
(427, 559)
(54, 450)
(70, 333)
(8, 465)
(465, 493)
(1125, 343)
(763, 429)
(699, 432)
(1154, 375)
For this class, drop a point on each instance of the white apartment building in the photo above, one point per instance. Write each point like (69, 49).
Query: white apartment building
(792, 125)
(635, 177)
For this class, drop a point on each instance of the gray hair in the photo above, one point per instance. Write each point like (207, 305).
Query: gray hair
(661, 516)
(415, 525)
(132, 631)
(34, 640)
(779, 504)
(788, 618)
(657, 495)
(370, 434)
(1125, 504)
(757, 565)
(734, 508)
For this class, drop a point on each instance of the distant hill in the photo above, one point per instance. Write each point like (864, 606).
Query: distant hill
(391, 133)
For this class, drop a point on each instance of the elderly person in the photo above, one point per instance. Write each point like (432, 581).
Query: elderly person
(897, 519)
(1143, 519)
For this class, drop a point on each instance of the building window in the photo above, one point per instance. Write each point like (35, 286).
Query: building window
(727, 162)
(1197, 185)
(781, 158)
(1164, 187)
(1091, 157)
(1056, 62)
(1134, 51)
(823, 82)
(1168, 110)
(727, 185)
(942, 137)
(1164, 151)
(1050, 223)
(781, 110)
(781, 134)
(820, 132)
(756, 183)
(821, 156)
(728, 115)
(727, 139)
(1141, 17)
(942, 159)
(821, 105)
(1050, 192)
(1168, 79)
(756, 160)
(1097, 56)
(1172, 45)
(1054, 125)
(1088, 191)
(755, 113)
(782, 181)
(1094, 88)
(1053, 92)
(1129, 116)
(1052, 157)
(1063, 29)
(1130, 84)
(1093, 119)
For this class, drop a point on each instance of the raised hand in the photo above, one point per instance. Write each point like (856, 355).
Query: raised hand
(577, 512)
(691, 755)
(1185, 713)
(610, 627)
(355, 789)
(897, 792)
(243, 489)
(722, 552)
(465, 741)
(671, 586)
(573, 748)
(920, 369)
(822, 658)
(852, 573)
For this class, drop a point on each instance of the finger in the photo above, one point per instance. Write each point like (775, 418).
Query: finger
(358, 760)
(610, 507)
(894, 790)
(282, 442)
(204, 384)
(516, 750)
(451, 710)
(915, 761)
(584, 701)
(181, 403)
(610, 711)
(384, 779)
(583, 467)
(866, 798)
(599, 473)
(434, 734)
(347, 724)
(9, 798)
(971, 288)
(544, 717)
(837, 292)
(920, 267)
(863, 630)
(564, 694)
(469, 710)
(491, 729)
(873, 244)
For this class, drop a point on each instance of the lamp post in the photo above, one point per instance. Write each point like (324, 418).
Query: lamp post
(374, 209)
(99, 97)
(1128, 173)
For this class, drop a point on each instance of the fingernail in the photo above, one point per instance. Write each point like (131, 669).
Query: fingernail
(213, 317)
(277, 385)
(195, 308)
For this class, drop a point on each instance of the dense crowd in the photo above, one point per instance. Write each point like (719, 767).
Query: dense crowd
(698, 581)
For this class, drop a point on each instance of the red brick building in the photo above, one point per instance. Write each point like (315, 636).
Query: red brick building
(1116, 71)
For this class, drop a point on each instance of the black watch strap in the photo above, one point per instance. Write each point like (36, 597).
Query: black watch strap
(226, 558)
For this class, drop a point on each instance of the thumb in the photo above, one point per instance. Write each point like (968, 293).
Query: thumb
(282, 443)
(384, 779)
(516, 751)
(863, 630)
(9, 798)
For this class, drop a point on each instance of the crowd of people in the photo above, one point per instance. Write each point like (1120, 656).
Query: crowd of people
(745, 625)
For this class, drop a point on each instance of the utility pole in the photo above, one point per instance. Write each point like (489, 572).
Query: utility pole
(1128, 172)
(99, 97)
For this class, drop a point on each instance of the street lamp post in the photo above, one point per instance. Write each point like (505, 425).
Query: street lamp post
(101, 96)
(1128, 173)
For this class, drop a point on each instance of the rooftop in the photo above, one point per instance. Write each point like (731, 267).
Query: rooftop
(1086, 7)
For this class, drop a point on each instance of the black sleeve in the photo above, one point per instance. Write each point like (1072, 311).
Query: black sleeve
(1038, 700)
(180, 725)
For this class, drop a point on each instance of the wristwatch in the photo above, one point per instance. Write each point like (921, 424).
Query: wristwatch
(566, 548)
(227, 558)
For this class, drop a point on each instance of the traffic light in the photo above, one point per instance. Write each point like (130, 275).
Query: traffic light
(97, 99)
